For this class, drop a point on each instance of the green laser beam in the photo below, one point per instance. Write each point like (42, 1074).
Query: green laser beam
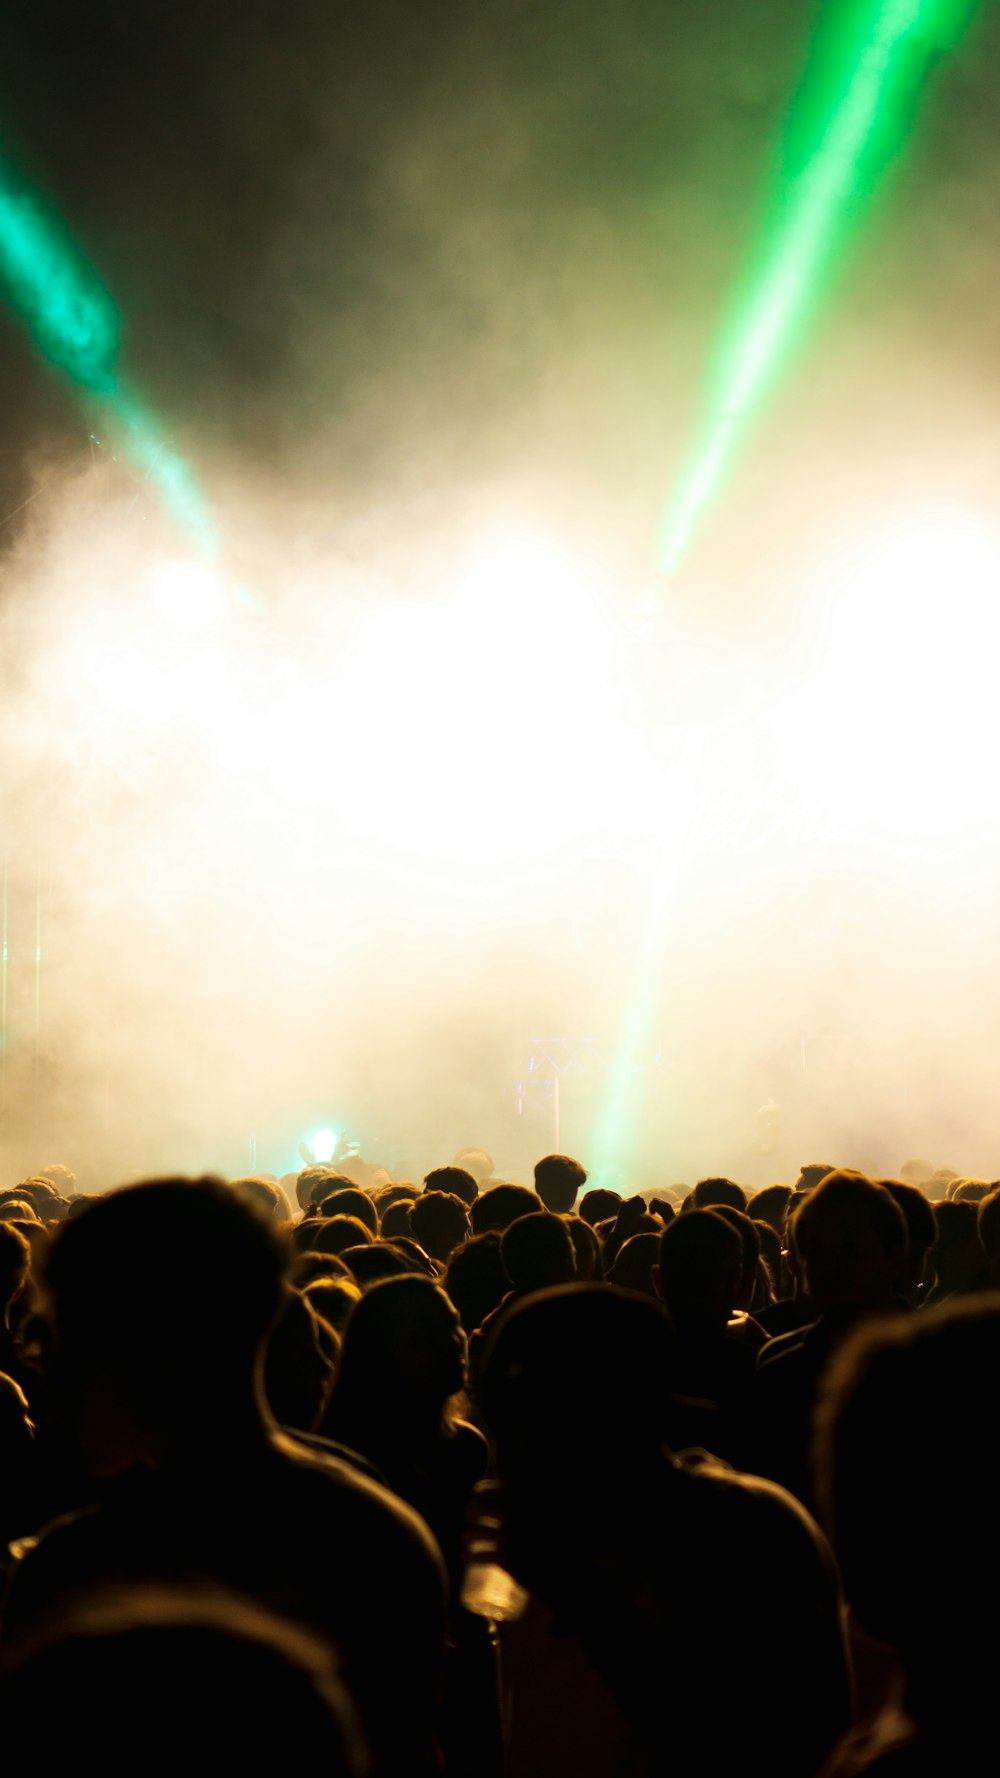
(75, 325)
(851, 118)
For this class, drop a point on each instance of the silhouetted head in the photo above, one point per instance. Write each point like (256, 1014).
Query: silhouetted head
(350, 1200)
(455, 1180)
(635, 1264)
(970, 1191)
(921, 1234)
(906, 1439)
(15, 1264)
(396, 1217)
(708, 1194)
(850, 1236)
(404, 1348)
(587, 1250)
(475, 1279)
(334, 1234)
(559, 1180)
(769, 1205)
(599, 1204)
(500, 1206)
(311, 1177)
(701, 1267)
(957, 1256)
(537, 1252)
(161, 1294)
(574, 1390)
(176, 1678)
(262, 1194)
(988, 1222)
(298, 1369)
(379, 1259)
(333, 1299)
(440, 1222)
(750, 1243)
(811, 1173)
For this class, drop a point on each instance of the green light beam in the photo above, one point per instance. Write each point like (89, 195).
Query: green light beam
(621, 1101)
(864, 87)
(75, 326)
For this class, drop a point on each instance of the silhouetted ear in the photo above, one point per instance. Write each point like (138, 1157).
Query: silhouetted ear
(657, 1277)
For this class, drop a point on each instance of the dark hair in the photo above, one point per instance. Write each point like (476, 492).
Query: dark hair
(475, 1279)
(698, 1252)
(769, 1205)
(455, 1180)
(502, 1205)
(537, 1252)
(165, 1287)
(597, 1204)
(197, 1668)
(747, 1231)
(369, 1265)
(334, 1233)
(15, 1264)
(989, 1223)
(559, 1180)
(918, 1214)
(439, 1221)
(709, 1194)
(350, 1200)
(844, 1193)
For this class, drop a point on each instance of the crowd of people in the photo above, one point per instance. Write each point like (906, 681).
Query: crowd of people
(460, 1477)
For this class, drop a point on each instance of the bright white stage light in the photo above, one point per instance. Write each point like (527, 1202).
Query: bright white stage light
(323, 1145)
(895, 732)
(187, 593)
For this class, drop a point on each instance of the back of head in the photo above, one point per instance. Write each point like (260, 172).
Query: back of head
(379, 1259)
(334, 1234)
(500, 1206)
(988, 1221)
(701, 1265)
(263, 1194)
(402, 1345)
(906, 1435)
(475, 1279)
(333, 1299)
(587, 1249)
(708, 1194)
(574, 1390)
(750, 1243)
(850, 1236)
(970, 1191)
(312, 1177)
(456, 1180)
(169, 1672)
(537, 1252)
(15, 1263)
(770, 1205)
(396, 1217)
(635, 1264)
(921, 1231)
(559, 1180)
(811, 1173)
(599, 1204)
(440, 1222)
(350, 1200)
(164, 1288)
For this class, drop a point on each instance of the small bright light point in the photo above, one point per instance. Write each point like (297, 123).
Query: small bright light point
(189, 594)
(324, 1145)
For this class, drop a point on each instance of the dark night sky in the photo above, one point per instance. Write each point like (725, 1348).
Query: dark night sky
(360, 245)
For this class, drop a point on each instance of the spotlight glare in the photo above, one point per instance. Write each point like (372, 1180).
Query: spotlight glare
(324, 1145)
